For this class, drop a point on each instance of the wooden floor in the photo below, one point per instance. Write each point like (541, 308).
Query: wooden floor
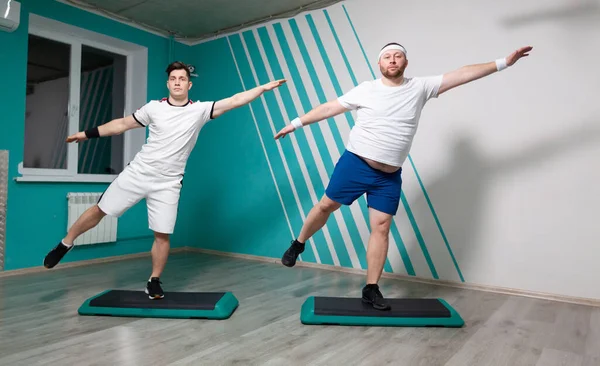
(39, 323)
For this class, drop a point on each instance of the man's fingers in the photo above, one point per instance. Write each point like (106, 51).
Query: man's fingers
(524, 50)
(284, 132)
(281, 134)
(277, 83)
(74, 139)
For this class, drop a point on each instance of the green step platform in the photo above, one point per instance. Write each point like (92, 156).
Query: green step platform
(403, 313)
(188, 305)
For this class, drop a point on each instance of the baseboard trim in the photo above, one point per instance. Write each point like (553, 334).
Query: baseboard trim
(460, 285)
(117, 258)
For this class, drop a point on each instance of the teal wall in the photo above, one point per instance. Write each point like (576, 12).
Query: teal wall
(231, 201)
(228, 201)
(37, 212)
(237, 194)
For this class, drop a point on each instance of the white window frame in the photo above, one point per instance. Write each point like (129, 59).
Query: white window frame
(136, 74)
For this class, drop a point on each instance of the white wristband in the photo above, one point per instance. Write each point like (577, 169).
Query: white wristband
(297, 123)
(501, 64)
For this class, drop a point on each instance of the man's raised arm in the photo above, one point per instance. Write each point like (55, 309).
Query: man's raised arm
(319, 113)
(243, 98)
(469, 73)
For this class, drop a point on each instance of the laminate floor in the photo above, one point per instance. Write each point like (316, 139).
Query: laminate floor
(39, 323)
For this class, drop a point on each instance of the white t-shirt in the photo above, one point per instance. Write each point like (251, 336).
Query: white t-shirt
(173, 133)
(387, 117)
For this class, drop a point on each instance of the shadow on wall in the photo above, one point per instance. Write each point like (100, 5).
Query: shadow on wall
(251, 228)
(581, 11)
(464, 190)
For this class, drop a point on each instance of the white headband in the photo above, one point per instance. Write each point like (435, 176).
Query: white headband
(392, 47)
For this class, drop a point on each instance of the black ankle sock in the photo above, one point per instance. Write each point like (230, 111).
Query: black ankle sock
(298, 243)
(371, 286)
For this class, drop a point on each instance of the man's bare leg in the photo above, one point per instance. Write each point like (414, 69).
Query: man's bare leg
(377, 251)
(316, 219)
(160, 254)
(377, 248)
(89, 219)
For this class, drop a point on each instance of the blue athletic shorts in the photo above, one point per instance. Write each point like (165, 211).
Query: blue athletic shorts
(353, 177)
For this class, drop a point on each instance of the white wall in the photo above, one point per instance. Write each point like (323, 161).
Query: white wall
(509, 162)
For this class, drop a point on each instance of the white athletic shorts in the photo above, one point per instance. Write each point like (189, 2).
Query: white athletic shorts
(139, 181)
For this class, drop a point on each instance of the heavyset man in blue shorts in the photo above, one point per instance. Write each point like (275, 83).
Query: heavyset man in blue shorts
(388, 112)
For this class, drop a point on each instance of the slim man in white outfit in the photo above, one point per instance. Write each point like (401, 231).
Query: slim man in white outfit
(156, 172)
(388, 112)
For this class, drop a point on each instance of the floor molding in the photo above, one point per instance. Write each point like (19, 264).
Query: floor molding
(117, 258)
(459, 285)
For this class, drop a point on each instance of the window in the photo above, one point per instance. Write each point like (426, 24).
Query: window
(47, 102)
(102, 98)
(76, 80)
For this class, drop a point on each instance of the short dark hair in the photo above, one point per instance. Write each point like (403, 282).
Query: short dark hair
(178, 65)
(393, 43)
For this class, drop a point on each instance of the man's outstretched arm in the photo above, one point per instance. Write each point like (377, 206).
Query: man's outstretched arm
(114, 127)
(470, 73)
(243, 98)
(319, 113)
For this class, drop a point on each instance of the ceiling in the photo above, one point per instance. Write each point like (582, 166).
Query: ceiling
(195, 20)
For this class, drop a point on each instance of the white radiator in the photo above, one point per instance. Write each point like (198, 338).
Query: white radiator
(104, 232)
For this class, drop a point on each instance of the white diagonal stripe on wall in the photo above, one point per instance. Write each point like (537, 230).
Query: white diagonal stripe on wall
(302, 163)
(263, 146)
(337, 63)
(282, 155)
(331, 148)
(343, 77)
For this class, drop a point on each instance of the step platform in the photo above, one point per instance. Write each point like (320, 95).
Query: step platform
(187, 305)
(403, 313)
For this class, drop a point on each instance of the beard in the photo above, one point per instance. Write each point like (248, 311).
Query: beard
(391, 74)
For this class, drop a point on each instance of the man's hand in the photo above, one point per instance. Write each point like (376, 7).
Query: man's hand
(515, 56)
(273, 84)
(78, 137)
(285, 131)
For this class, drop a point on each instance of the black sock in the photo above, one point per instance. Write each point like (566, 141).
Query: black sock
(371, 286)
(298, 243)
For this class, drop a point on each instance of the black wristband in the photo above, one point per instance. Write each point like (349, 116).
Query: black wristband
(92, 133)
